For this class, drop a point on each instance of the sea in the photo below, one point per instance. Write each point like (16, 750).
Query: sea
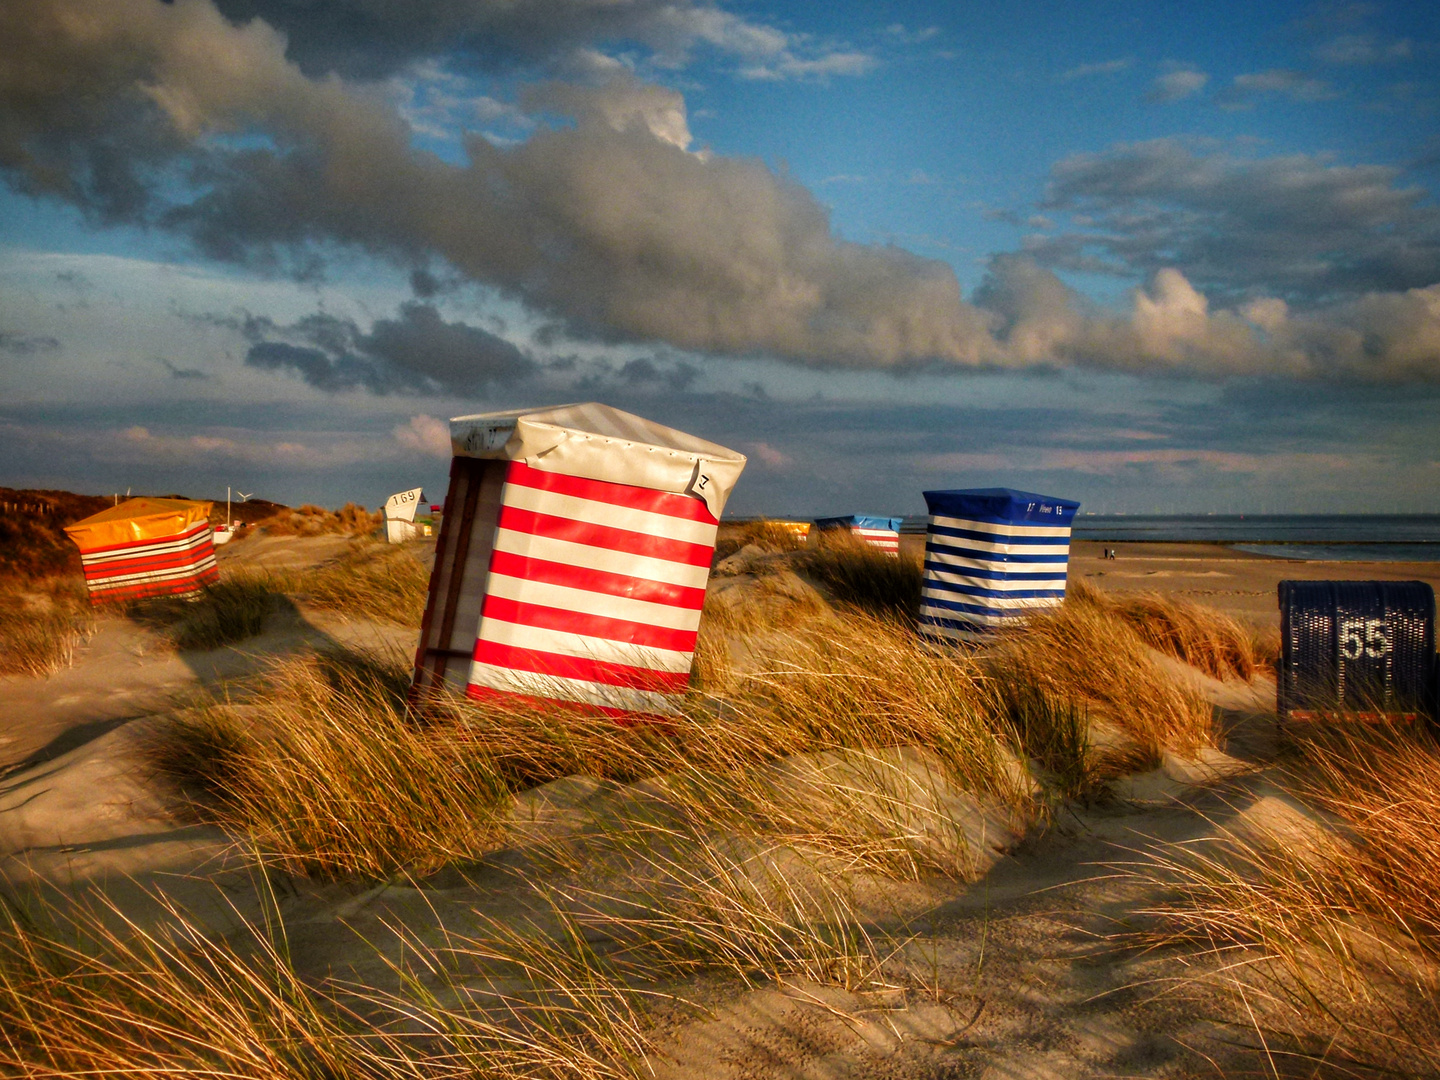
(1330, 537)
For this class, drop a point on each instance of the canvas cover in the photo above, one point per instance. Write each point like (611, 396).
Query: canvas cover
(992, 557)
(400, 511)
(146, 547)
(880, 532)
(573, 558)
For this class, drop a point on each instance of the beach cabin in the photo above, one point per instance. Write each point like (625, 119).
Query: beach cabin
(572, 560)
(880, 532)
(400, 515)
(992, 557)
(146, 547)
(1356, 650)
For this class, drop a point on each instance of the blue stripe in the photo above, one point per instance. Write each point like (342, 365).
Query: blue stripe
(976, 609)
(996, 538)
(1057, 593)
(993, 575)
(993, 556)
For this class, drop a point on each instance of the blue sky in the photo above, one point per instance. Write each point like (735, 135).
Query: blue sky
(1152, 259)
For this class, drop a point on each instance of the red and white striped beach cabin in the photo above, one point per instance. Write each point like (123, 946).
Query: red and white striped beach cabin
(146, 547)
(573, 558)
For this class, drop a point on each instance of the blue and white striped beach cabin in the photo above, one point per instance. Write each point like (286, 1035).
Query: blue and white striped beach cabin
(992, 555)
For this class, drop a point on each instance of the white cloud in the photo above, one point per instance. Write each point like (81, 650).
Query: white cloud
(1107, 67)
(424, 435)
(1177, 85)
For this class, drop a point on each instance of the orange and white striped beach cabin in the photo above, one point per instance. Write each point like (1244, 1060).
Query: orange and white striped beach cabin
(572, 559)
(146, 547)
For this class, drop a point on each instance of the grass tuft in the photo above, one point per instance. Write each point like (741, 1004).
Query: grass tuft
(372, 580)
(226, 613)
(1322, 914)
(1206, 639)
(41, 624)
(863, 576)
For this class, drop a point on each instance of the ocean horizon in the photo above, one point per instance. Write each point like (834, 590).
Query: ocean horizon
(1320, 537)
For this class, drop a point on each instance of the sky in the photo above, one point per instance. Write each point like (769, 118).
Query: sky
(1155, 258)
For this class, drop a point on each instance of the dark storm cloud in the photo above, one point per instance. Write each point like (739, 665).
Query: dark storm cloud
(1297, 227)
(417, 352)
(372, 38)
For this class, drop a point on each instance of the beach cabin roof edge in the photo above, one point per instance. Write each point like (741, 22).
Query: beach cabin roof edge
(581, 440)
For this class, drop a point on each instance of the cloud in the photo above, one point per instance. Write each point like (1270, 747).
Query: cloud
(1177, 85)
(138, 445)
(1297, 226)
(417, 352)
(424, 435)
(1245, 89)
(769, 456)
(1171, 325)
(788, 66)
(182, 373)
(1363, 49)
(1107, 67)
(1115, 462)
(374, 38)
(170, 116)
(608, 225)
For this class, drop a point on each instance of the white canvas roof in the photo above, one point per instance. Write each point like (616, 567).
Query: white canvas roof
(402, 505)
(599, 442)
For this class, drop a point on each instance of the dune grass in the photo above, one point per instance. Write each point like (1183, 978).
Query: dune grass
(861, 575)
(88, 992)
(1206, 639)
(1326, 929)
(768, 536)
(41, 623)
(371, 580)
(326, 773)
(1086, 654)
(226, 613)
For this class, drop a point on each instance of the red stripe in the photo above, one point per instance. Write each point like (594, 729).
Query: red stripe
(584, 708)
(175, 539)
(635, 498)
(604, 536)
(580, 667)
(600, 626)
(144, 589)
(142, 566)
(596, 581)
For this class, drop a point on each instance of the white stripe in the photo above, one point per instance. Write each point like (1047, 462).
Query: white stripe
(160, 548)
(962, 543)
(944, 559)
(1000, 530)
(579, 690)
(1003, 585)
(595, 512)
(583, 646)
(994, 603)
(585, 602)
(193, 570)
(597, 558)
